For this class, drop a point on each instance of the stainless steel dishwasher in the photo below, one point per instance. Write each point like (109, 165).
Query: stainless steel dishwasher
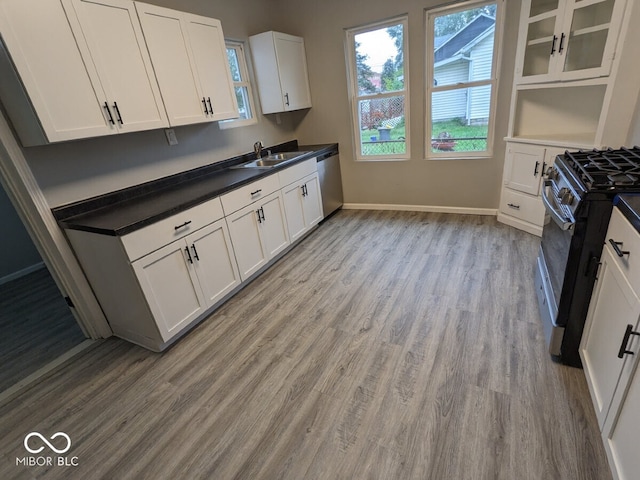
(330, 181)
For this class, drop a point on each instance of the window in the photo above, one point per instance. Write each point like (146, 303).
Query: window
(378, 86)
(462, 52)
(240, 77)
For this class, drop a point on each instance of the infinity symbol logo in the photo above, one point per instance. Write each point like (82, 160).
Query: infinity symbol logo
(55, 435)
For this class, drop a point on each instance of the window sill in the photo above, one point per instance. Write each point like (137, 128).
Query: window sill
(460, 157)
(227, 124)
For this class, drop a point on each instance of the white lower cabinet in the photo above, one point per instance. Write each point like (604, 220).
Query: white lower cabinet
(610, 348)
(614, 306)
(183, 279)
(258, 232)
(622, 432)
(154, 282)
(520, 202)
(303, 205)
(170, 287)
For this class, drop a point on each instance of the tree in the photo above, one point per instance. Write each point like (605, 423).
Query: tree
(454, 22)
(364, 72)
(396, 32)
(390, 77)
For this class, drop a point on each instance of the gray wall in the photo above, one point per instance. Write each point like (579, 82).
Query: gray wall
(17, 250)
(459, 183)
(80, 169)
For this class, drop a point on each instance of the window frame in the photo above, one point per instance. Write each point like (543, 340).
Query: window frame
(243, 64)
(355, 97)
(493, 81)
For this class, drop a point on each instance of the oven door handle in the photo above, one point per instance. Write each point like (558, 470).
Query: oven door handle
(557, 217)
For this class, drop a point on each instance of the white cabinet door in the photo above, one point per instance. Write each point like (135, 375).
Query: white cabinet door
(312, 201)
(622, 432)
(281, 71)
(190, 61)
(51, 68)
(245, 236)
(116, 47)
(590, 32)
(167, 40)
(212, 66)
(524, 167)
(294, 210)
(214, 261)
(303, 205)
(273, 228)
(567, 39)
(614, 306)
(292, 64)
(258, 233)
(170, 285)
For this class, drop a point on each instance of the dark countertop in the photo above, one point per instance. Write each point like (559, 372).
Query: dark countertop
(629, 205)
(130, 209)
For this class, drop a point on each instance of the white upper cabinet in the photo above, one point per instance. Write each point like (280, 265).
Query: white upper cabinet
(210, 56)
(63, 102)
(109, 36)
(567, 39)
(190, 61)
(281, 72)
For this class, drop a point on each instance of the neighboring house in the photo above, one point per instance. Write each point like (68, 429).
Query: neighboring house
(463, 57)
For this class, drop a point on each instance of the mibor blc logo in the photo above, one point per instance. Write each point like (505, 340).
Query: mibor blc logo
(36, 443)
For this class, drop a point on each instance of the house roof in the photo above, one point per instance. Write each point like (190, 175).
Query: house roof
(452, 45)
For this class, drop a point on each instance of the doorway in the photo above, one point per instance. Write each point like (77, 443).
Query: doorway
(37, 324)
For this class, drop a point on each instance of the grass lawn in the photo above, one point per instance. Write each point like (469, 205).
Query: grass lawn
(371, 144)
(453, 128)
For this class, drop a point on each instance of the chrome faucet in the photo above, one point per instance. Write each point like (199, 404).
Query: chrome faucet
(257, 147)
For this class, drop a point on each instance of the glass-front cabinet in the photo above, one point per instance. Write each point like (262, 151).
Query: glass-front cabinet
(568, 39)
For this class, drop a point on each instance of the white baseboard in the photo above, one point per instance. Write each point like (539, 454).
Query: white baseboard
(520, 224)
(421, 208)
(21, 273)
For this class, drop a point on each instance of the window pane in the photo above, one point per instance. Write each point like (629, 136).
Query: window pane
(463, 46)
(232, 54)
(382, 126)
(244, 107)
(380, 60)
(460, 119)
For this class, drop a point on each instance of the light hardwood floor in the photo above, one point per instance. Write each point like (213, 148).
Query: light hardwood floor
(386, 345)
(36, 324)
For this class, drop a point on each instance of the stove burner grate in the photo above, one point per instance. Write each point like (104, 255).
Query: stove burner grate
(607, 169)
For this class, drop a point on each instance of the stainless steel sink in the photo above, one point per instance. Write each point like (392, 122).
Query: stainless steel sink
(272, 160)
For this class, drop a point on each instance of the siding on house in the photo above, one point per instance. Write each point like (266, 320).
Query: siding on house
(471, 104)
(481, 63)
(453, 103)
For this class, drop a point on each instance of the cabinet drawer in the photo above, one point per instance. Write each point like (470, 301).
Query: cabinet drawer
(621, 231)
(243, 196)
(522, 206)
(298, 171)
(150, 238)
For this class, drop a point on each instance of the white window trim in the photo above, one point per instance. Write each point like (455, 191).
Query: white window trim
(430, 14)
(352, 77)
(244, 73)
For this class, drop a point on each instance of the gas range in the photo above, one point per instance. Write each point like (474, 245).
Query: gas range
(578, 196)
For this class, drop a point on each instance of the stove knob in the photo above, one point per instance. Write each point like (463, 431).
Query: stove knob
(552, 173)
(566, 197)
